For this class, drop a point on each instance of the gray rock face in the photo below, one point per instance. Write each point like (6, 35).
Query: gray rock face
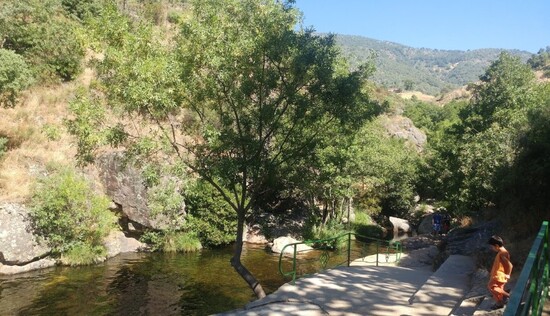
(425, 226)
(125, 186)
(18, 245)
(402, 127)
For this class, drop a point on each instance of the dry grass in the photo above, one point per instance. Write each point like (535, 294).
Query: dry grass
(36, 137)
(419, 95)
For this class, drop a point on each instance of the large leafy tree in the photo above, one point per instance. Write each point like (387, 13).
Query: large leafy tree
(483, 144)
(243, 98)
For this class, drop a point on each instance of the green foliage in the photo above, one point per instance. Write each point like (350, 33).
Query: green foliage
(365, 226)
(505, 91)
(472, 161)
(52, 132)
(70, 215)
(430, 117)
(209, 216)
(386, 172)
(41, 33)
(15, 76)
(165, 199)
(181, 242)
(172, 241)
(86, 124)
(81, 253)
(82, 9)
(541, 61)
(3, 146)
(330, 230)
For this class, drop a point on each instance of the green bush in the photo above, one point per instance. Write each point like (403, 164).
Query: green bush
(365, 226)
(3, 146)
(81, 8)
(172, 241)
(81, 254)
(15, 76)
(71, 216)
(317, 231)
(181, 242)
(41, 32)
(213, 220)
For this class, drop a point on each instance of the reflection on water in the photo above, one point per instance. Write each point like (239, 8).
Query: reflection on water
(141, 284)
(200, 283)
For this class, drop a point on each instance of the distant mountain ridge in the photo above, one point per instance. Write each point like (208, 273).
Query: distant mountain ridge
(431, 71)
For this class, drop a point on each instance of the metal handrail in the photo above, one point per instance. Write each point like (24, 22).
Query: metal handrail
(531, 289)
(389, 246)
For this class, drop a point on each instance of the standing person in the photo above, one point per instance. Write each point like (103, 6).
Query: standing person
(436, 223)
(500, 272)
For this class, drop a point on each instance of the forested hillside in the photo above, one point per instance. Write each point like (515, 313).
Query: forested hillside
(431, 71)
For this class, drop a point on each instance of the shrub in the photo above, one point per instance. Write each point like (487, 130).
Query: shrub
(71, 216)
(214, 222)
(81, 8)
(172, 241)
(41, 33)
(81, 253)
(181, 242)
(317, 231)
(365, 226)
(15, 76)
(3, 146)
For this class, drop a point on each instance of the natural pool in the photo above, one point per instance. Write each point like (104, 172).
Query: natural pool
(201, 283)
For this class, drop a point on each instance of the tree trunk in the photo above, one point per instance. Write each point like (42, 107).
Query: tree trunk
(236, 261)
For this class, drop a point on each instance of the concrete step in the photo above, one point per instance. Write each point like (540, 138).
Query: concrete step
(468, 306)
(445, 289)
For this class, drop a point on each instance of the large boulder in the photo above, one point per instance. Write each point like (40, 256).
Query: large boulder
(125, 186)
(425, 226)
(117, 243)
(400, 225)
(18, 245)
(253, 234)
(281, 242)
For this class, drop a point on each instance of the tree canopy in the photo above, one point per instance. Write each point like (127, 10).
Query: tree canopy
(241, 96)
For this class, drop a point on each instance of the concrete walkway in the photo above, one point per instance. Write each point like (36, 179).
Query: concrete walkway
(370, 290)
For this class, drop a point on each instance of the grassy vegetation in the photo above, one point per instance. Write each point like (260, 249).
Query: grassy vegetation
(172, 241)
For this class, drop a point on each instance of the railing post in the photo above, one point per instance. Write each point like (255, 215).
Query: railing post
(349, 249)
(377, 251)
(294, 264)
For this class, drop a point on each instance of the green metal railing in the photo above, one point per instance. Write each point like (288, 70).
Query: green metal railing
(531, 290)
(335, 252)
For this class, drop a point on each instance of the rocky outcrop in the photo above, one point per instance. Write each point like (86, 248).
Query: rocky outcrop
(22, 251)
(18, 245)
(402, 127)
(125, 186)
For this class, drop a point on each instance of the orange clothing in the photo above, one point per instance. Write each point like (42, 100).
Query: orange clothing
(501, 266)
(500, 273)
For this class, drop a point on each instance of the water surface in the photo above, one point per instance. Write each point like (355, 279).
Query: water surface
(201, 283)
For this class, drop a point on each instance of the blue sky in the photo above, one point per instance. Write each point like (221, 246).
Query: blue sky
(437, 24)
